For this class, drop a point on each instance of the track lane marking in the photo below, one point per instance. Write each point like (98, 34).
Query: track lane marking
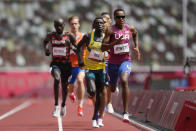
(135, 122)
(60, 123)
(16, 109)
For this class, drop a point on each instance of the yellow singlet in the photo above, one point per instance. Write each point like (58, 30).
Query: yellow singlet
(94, 57)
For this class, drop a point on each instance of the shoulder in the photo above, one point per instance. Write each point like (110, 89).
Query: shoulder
(49, 35)
(127, 27)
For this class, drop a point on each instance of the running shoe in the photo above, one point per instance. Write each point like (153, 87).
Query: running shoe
(80, 112)
(100, 122)
(126, 118)
(116, 91)
(72, 97)
(110, 108)
(55, 112)
(94, 124)
(63, 111)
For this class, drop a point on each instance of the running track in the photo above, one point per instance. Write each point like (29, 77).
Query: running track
(35, 115)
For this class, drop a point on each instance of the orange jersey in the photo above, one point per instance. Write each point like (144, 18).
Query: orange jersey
(73, 56)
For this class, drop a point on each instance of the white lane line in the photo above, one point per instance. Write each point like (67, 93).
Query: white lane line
(60, 123)
(16, 109)
(135, 122)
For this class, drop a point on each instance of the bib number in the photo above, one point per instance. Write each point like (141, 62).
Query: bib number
(121, 49)
(57, 51)
(96, 55)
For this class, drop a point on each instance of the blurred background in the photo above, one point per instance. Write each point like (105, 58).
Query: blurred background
(165, 39)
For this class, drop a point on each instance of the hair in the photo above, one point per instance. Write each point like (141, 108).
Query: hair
(73, 17)
(104, 13)
(117, 11)
(99, 17)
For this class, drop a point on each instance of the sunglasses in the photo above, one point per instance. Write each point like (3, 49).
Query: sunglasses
(119, 17)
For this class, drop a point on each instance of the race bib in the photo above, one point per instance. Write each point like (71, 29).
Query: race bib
(57, 51)
(121, 49)
(96, 55)
(72, 52)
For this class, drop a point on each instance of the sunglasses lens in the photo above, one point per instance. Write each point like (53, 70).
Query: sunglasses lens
(119, 17)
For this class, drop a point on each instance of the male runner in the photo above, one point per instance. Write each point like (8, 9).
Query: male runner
(95, 68)
(77, 73)
(119, 64)
(58, 43)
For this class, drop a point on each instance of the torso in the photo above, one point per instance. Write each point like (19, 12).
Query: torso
(121, 52)
(60, 48)
(94, 58)
(73, 56)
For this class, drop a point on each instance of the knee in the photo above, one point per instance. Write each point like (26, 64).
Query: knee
(91, 92)
(80, 81)
(80, 78)
(57, 76)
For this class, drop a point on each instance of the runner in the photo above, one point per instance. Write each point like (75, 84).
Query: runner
(58, 44)
(77, 73)
(95, 68)
(119, 64)
(107, 19)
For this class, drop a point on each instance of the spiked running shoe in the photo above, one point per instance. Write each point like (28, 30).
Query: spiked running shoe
(110, 108)
(72, 97)
(94, 124)
(63, 111)
(55, 112)
(126, 118)
(80, 112)
(100, 122)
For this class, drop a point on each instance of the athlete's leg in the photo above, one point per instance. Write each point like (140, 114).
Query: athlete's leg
(72, 84)
(113, 76)
(99, 93)
(124, 71)
(64, 85)
(56, 74)
(55, 71)
(125, 90)
(103, 101)
(81, 89)
(91, 87)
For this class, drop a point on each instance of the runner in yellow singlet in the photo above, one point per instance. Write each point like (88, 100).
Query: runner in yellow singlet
(95, 68)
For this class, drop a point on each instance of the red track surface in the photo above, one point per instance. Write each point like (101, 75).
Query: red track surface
(37, 117)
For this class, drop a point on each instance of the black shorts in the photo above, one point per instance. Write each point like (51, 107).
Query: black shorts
(65, 70)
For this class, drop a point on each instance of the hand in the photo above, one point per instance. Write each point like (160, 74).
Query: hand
(119, 40)
(137, 53)
(47, 52)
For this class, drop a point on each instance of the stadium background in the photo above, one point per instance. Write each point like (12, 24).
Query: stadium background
(167, 36)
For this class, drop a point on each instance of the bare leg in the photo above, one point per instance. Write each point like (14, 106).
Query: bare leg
(125, 91)
(81, 89)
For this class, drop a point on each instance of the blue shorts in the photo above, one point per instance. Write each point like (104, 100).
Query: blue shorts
(114, 70)
(75, 71)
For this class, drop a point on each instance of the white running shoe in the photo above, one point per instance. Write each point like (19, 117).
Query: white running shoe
(100, 122)
(94, 124)
(63, 111)
(110, 108)
(126, 118)
(55, 112)
(116, 91)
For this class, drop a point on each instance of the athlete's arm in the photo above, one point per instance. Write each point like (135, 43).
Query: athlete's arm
(73, 42)
(108, 35)
(80, 50)
(46, 45)
(135, 39)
